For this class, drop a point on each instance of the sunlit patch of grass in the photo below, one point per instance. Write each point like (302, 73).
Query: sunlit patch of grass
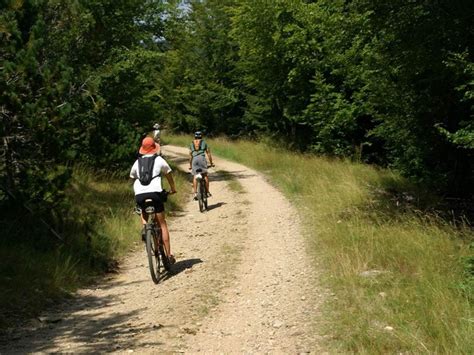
(207, 301)
(209, 295)
(233, 183)
(397, 271)
(179, 140)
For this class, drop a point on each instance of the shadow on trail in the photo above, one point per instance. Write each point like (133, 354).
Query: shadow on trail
(89, 325)
(221, 175)
(177, 160)
(182, 265)
(110, 285)
(216, 205)
(224, 175)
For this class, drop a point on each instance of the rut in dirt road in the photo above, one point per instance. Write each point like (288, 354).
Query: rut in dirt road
(242, 283)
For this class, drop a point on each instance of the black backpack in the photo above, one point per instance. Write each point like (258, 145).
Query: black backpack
(145, 169)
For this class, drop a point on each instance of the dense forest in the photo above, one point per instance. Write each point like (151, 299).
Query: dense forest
(384, 82)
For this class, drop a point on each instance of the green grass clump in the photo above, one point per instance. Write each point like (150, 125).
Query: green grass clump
(358, 219)
(233, 183)
(99, 228)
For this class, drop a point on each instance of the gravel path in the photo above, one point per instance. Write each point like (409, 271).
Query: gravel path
(242, 284)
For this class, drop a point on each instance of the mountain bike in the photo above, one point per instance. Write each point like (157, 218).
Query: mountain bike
(158, 261)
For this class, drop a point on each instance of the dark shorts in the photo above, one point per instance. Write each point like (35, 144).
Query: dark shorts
(155, 196)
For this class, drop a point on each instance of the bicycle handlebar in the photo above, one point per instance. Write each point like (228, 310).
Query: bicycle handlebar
(209, 166)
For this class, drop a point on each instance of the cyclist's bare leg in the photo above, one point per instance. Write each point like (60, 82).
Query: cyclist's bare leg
(194, 184)
(206, 178)
(160, 218)
(143, 219)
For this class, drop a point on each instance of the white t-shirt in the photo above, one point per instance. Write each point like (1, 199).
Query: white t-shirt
(156, 134)
(160, 167)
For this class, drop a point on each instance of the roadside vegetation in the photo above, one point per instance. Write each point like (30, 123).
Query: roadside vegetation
(384, 83)
(99, 228)
(400, 272)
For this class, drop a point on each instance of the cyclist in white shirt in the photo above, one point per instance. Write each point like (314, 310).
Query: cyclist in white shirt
(154, 189)
(156, 133)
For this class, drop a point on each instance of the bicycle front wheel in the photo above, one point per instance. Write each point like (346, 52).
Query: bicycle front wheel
(153, 256)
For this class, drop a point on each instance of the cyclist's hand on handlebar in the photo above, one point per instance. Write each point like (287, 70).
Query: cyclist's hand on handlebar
(173, 192)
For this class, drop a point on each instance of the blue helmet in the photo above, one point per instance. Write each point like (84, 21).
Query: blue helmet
(198, 134)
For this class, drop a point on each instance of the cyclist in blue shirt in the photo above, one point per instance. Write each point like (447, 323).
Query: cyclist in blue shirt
(197, 160)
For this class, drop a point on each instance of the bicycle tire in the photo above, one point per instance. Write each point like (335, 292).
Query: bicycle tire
(153, 257)
(204, 194)
(164, 258)
(200, 196)
(205, 200)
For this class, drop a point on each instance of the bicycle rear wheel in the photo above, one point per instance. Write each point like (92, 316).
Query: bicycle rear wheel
(164, 258)
(200, 195)
(204, 197)
(153, 256)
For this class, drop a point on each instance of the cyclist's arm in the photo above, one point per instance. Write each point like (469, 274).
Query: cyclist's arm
(170, 179)
(134, 171)
(209, 156)
(166, 170)
(156, 135)
(190, 160)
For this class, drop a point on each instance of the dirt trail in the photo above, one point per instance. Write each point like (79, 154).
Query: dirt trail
(242, 284)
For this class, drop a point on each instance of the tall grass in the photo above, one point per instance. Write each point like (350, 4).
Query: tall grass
(396, 271)
(99, 228)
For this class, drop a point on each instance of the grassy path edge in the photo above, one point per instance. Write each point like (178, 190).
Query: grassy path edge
(396, 272)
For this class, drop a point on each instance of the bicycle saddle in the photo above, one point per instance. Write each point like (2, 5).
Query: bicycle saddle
(149, 208)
